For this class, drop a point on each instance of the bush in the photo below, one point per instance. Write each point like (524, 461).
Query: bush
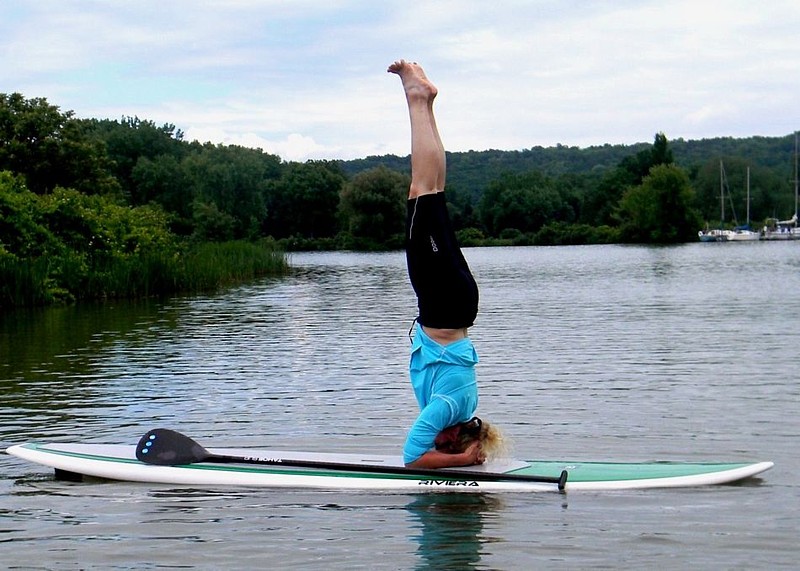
(560, 234)
(469, 237)
(68, 246)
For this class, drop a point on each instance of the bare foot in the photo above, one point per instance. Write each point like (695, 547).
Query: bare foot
(415, 83)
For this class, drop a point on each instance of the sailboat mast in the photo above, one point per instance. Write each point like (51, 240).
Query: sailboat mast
(748, 197)
(795, 173)
(721, 194)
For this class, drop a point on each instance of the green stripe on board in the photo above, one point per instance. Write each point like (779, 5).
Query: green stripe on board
(610, 471)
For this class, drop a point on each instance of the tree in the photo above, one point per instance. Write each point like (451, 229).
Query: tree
(235, 180)
(661, 209)
(50, 148)
(661, 153)
(638, 166)
(372, 205)
(164, 181)
(523, 202)
(129, 140)
(22, 233)
(599, 205)
(303, 202)
(211, 225)
(463, 213)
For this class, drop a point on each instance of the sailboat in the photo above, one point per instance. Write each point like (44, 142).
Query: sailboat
(785, 229)
(781, 229)
(741, 233)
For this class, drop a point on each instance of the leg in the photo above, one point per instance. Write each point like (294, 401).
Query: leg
(427, 151)
(446, 291)
(447, 295)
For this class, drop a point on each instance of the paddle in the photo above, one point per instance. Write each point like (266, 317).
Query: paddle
(164, 447)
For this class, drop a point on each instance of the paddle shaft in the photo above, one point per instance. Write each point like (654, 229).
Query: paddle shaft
(165, 447)
(442, 474)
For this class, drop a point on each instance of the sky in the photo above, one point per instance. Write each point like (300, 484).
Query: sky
(306, 79)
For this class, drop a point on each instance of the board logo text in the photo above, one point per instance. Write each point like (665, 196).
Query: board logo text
(449, 483)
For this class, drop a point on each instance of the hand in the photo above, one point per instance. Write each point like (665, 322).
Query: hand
(433, 459)
(474, 455)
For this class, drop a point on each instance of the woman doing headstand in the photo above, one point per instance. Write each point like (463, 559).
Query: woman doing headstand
(442, 366)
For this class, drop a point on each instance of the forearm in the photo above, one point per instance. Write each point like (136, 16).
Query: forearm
(434, 459)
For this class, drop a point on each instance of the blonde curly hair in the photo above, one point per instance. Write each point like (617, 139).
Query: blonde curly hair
(493, 442)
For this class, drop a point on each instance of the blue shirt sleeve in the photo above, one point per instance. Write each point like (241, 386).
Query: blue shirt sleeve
(438, 415)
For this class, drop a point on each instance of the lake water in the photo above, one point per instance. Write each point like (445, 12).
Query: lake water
(600, 352)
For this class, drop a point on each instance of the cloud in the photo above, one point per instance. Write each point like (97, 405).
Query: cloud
(308, 78)
(294, 147)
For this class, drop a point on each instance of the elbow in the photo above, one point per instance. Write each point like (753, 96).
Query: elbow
(418, 463)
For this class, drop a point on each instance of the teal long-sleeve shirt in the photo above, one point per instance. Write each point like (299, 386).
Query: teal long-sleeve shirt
(444, 382)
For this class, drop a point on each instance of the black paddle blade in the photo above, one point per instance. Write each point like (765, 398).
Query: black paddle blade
(165, 447)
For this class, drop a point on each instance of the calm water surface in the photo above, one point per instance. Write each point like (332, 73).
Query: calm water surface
(603, 352)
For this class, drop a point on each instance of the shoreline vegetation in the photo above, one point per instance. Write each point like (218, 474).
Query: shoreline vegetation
(194, 269)
(95, 209)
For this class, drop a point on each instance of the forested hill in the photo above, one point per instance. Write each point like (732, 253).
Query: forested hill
(97, 208)
(470, 172)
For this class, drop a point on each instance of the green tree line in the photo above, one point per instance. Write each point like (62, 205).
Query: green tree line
(95, 208)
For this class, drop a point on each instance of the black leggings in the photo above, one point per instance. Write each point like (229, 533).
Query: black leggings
(447, 294)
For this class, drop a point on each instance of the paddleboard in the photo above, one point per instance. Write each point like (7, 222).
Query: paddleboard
(118, 462)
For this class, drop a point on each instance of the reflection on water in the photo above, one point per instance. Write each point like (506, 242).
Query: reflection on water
(49, 373)
(608, 352)
(449, 528)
